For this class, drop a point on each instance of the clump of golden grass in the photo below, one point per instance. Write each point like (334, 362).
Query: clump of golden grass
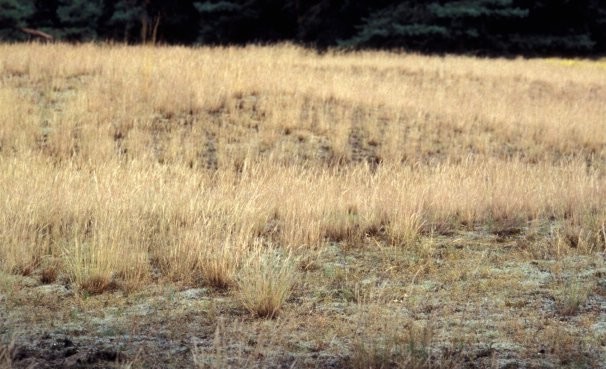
(265, 281)
(121, 161)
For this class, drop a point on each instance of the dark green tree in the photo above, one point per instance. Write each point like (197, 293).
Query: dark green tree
(79, 19)
(596, 22)
(322, 22)
(465, 25)
(493, 27)
(233, 21)
(124, 20)
(13, 15)
(45, 16)
(220, 21)
(150, 21)
(175, 22)
(556, 27)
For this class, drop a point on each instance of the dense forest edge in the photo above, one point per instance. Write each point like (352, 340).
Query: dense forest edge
(475, 27)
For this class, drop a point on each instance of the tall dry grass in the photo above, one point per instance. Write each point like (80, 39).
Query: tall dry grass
(124, 163)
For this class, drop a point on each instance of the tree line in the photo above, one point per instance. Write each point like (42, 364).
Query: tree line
(481, 27)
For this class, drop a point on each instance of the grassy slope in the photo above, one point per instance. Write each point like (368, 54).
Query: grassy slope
(427, 212)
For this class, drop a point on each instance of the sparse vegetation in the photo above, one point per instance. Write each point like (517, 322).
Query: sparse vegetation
(174, 187)
(396, 345)
(235, 347)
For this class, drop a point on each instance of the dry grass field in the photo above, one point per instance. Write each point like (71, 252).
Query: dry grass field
(269, 207)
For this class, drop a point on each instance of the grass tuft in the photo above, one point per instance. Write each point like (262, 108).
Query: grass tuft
(572, 296)
(265, 281)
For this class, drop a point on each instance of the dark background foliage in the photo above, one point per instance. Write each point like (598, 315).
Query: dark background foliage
(480, 27)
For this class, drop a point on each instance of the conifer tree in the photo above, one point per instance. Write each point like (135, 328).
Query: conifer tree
(125, 20)
(245, 21)
(79, 19)
(445, 25)
(13, 15)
